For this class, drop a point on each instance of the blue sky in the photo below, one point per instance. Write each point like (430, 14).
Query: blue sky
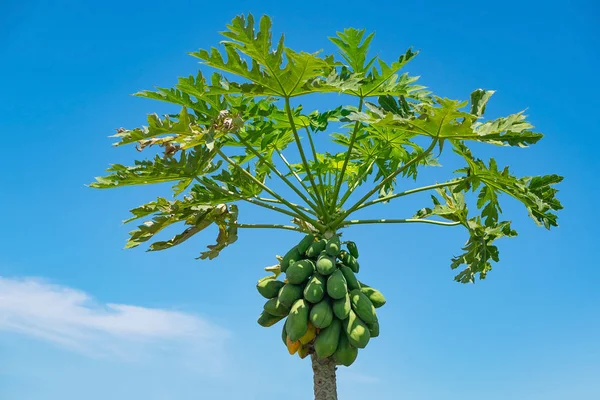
(82, 318)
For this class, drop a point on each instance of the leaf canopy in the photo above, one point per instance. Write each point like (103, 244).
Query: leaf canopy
(237, 132)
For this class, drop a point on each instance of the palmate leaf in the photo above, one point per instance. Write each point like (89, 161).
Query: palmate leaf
(536, 193)
(444, 118)
(267, 72)
(354, 48)
(183, 170)
(480, 250)
(191, 213)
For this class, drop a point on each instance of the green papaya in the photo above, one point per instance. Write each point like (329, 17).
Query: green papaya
(333, 246)
(374, 329)
(345, 353)
(316, 248)
(284, 333)
(357, 331)
(321, 314)
(289, 293)
(336, 285)
(265, 319)
(274, 307)
(289, 258)
(362, 306)
(352, 249)
(269, 286)
(326, 342)
(374, 295)
(342, 307)
(315, 288)
(351, 280)
(325, 264)
(350, 261)
(300, 271)
(297, 322)
(305, 243)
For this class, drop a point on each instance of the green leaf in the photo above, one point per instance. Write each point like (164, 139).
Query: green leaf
(191, 164)
(354, 48)
(267, 72)
(536, 193)
(479, 99)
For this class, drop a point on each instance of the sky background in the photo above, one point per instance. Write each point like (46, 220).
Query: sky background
(80, 318)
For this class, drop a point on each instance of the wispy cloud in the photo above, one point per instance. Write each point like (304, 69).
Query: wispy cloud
(357, 377)
(72, 319)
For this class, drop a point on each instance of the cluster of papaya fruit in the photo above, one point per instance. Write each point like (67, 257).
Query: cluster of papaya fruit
(329, 312)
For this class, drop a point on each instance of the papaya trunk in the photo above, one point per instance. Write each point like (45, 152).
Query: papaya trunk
(324, 378)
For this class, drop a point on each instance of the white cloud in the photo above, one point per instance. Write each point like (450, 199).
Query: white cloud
(72, 319)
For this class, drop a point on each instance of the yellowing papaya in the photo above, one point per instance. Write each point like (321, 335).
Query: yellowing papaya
(321, 314)
(292, 346)
(357, 331)
(336, 285)
(303, 352)
(289, 293)
(327, 342)
(345, 353)
(265, 319)
(352, 249)
(274, 307)
(342, 307)
(289, 258)
(305, 243)
(316, 248)
(351, 280)
(362, 306)
(309, 335)
(297, 322)
(374, 329)
(300, 271)
(315, 288)
(269, 286)
(333, 246)
(325, 264)
(374, 295)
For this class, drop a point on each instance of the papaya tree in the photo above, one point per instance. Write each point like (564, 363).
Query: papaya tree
(242, 135)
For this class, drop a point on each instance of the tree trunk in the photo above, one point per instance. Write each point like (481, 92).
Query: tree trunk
(324, 378)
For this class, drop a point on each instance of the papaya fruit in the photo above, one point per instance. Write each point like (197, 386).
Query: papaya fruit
(345, 353)
(297, 322)
(321, 314)
(292, 346)
(327, 342)
(289, 258)
(357, 331)
(289, 293)
(284, 333)
(333, 247)
(352, 249)
(351, 280)
(315, 288)
(325, 264)
(269, 286)
(350, 261)
(374, 295)
(305, 243)
(303, 352)
(265, 319)
(336, 285)
(300, 271)
(310, 334)
(316, 248)
(274, 307)
(362, 306)
(374, 329)
(342, 307)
